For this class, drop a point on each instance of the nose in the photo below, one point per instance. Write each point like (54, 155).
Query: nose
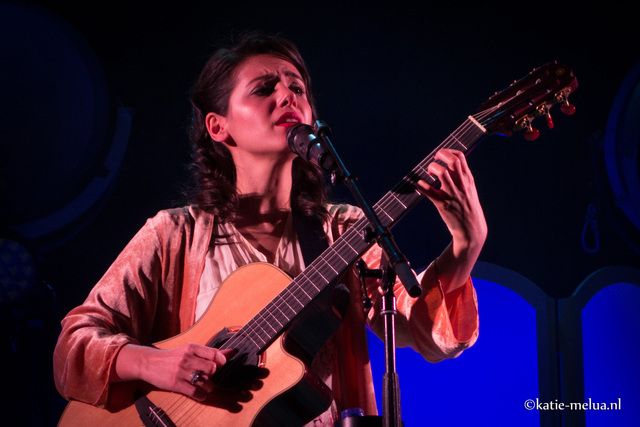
(287, 97)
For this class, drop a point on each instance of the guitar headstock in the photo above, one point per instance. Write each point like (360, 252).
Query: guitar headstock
(516, 107)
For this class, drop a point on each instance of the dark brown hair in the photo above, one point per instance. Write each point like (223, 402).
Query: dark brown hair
(213, 172)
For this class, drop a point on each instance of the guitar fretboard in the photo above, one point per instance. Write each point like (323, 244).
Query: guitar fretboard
(276, 316)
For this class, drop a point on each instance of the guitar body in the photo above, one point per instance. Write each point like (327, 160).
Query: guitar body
(288, 395)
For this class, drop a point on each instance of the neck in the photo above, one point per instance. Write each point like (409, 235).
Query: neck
(264, 185)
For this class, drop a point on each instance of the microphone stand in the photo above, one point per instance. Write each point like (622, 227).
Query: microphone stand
(395, 265)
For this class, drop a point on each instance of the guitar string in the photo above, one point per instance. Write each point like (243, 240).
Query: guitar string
(285, 297)
(453, 140)
(186, 405)
(183, 409)
(383, 206)
(180, 406)
(174, 406)
(450, 142)
(237, 340)
(255, 326)
(180, 409)
(191, 412)
(301, 280)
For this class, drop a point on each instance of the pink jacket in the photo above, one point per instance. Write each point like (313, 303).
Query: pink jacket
(149, 294)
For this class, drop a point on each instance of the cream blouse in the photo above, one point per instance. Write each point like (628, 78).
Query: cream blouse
(231, 251)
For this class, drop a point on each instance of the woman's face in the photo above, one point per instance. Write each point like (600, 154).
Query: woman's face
(268, 98)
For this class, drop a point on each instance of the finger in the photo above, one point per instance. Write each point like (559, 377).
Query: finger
(443, 174)
(427, 189)
(199, 393)
(448, 155)
(198, 386)
(229, 352)
(207, 386)
(217, 356)
(457, 166)
(201, 382)
(462, 166)
(222, 356)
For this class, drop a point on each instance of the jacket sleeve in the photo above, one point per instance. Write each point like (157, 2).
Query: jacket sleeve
(435, 326)
(119, 310)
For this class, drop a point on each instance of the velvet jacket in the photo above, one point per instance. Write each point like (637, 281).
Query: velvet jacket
(149, 294)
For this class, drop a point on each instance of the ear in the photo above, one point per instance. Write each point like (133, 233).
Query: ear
(216, 126)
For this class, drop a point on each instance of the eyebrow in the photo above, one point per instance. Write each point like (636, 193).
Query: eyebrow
(270, 76)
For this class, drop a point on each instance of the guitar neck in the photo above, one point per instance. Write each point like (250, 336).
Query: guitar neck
(404, 196)
(276, 316)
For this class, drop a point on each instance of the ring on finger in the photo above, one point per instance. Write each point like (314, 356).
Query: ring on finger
(195, 377)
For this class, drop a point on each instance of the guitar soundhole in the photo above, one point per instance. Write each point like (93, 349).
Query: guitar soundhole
(243, 371)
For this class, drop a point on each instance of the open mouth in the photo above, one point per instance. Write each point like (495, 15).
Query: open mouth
(288, 119)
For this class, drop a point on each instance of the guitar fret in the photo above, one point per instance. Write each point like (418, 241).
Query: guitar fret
(262, 334)
(393, 208)
(381, 210)
(310, 291)
(398, 199)
(422, 169)
(291, 293)
(330, 262)
(350, 247)
(461, 147)
(277, 318)
(268, 317)
(250, 337)
(387, 219)
(301, 295)
(332, 258)
(269, 323)
(326, 270)
(318, 273)
(285, 304)
(315, 279)
(341, 257)
(258, 325)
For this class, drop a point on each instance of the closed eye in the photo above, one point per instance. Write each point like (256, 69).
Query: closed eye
(264, 89)
(267, 89)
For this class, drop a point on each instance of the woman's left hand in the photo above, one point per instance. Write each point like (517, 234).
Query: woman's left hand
(457, 200)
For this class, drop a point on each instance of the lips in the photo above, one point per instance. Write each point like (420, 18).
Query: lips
(288, 119)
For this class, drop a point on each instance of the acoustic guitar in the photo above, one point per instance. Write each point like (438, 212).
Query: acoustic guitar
(277, 331)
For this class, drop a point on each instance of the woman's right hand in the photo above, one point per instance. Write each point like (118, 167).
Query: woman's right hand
(171, 370)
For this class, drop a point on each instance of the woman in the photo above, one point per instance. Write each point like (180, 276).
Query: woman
(247, 183)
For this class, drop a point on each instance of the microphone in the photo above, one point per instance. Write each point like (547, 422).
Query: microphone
(303, 141)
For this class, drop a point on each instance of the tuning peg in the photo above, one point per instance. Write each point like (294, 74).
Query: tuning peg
(547, 115)
(532, 133)
(549, 121)
(567, 108)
